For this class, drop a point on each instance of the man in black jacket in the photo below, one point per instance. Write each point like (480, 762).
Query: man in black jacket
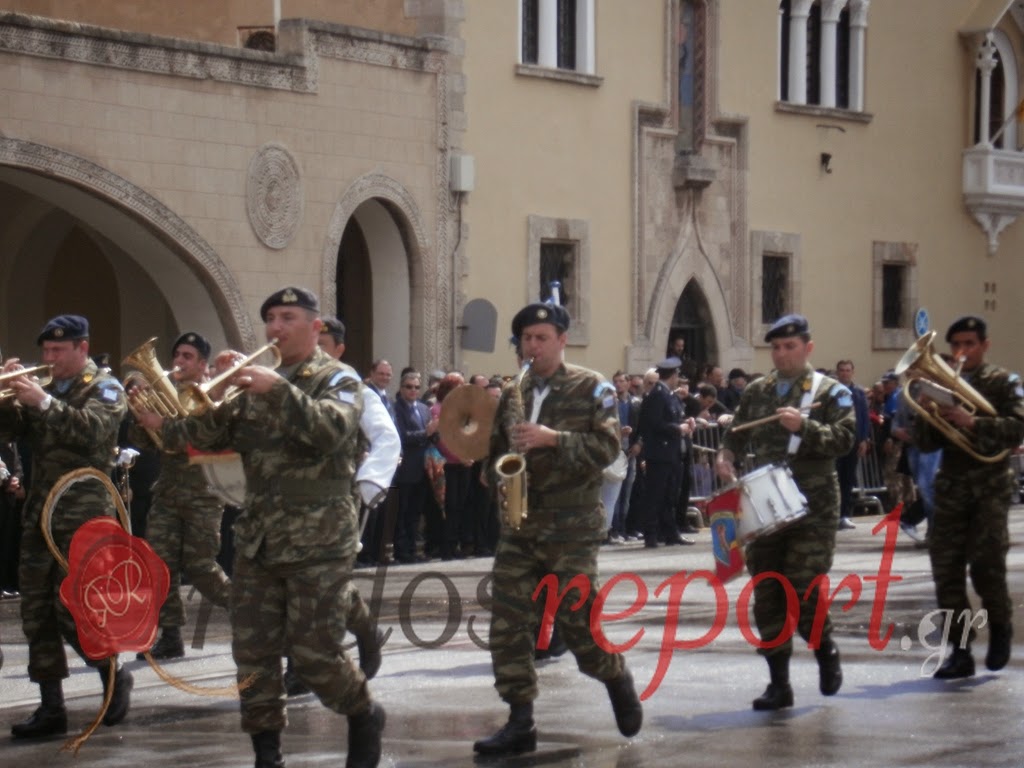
(661, 431)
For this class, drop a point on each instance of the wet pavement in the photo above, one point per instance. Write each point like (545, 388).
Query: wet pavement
(436, 681)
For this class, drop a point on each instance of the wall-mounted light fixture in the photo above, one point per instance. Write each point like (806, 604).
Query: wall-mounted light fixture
(826, 158)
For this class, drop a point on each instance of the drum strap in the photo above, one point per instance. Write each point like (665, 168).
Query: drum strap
(805, 406)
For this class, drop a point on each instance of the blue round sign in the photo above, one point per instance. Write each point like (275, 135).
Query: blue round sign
(921, 321)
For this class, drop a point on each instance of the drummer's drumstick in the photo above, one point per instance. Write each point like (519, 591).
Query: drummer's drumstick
(770, 419)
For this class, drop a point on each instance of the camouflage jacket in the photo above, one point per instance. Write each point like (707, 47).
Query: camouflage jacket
(298, 444)
(581, 407)
(828, 431)
(78, 430)
(991, 434)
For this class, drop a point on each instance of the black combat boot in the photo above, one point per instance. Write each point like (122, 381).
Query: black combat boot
(369, 645)
(169, 646)
(959, 663)
(364, 732)
(1000, 638)
(267, 746)
(293, 685)
(518, 735)
(122, 698)
(49, 719)
(830, 674)
(629, 715)
(779, 693)
(556, 647)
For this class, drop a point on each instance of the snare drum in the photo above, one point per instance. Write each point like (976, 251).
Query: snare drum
(770, 500)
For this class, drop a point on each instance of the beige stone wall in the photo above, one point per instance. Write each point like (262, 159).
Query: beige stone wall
(189, 143)
(560, 150)
(896, 178)
(217, 21)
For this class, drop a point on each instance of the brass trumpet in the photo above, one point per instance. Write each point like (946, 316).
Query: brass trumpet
(6, 393)
(197, 398)
(920, 363)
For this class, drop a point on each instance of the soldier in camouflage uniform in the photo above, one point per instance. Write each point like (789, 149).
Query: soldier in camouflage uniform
(185, 518)
(296, 429)
(69, 424)
(816, 424)
(563, 419)
(972, 500)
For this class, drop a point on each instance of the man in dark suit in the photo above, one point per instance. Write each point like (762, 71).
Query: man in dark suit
(661, 430)
(417, 431)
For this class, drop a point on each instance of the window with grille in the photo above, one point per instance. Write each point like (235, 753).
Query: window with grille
(558, 264)
(557, 34)
(558, 250)
(774, 287)
(894, 278)
(805, 85)
(895, 298)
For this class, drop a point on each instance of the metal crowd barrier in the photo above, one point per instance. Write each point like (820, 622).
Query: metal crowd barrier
(870, 483)
(704, 483)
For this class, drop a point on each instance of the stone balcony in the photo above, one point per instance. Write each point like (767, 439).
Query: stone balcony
(993, 188)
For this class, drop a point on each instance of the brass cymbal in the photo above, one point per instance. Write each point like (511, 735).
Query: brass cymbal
(467, 413)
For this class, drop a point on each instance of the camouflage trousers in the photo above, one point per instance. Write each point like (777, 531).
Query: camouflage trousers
(519, 565)
(47, 624)
(970, 534)
(186, 536)
(299, 609)
(799, 553)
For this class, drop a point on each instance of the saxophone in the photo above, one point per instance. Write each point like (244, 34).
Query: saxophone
(511, 467)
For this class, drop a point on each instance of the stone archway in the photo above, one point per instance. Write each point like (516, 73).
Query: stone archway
(394, 306)
(167, 277)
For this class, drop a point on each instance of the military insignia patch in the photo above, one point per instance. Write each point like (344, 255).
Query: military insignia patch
(289, 297)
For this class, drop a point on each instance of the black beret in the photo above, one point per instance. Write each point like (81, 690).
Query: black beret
(967, 323)
(786, 326)
(335, 328)
(737, 373)
(193, 339)
(890, 375)
(290, 297)
(64, 328)
(532, 314)
(669, 364)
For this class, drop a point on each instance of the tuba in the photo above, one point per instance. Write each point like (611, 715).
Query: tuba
(921, 364)
(156, 392)
(511, 467)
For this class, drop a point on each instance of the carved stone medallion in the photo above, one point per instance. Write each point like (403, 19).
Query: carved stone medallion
(274, 195)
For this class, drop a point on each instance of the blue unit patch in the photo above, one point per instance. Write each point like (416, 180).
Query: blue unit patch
(842, 395)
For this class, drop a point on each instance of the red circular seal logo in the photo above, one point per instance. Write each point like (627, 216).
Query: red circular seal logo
(115, 587)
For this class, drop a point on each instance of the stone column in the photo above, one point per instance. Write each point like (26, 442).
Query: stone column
(858, 29)
(830, 10)
(985, 62)
(547, 33)
(799, 12)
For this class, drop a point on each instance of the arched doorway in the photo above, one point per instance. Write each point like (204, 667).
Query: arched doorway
(77, 238)
(692, 321)
(373, 288)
